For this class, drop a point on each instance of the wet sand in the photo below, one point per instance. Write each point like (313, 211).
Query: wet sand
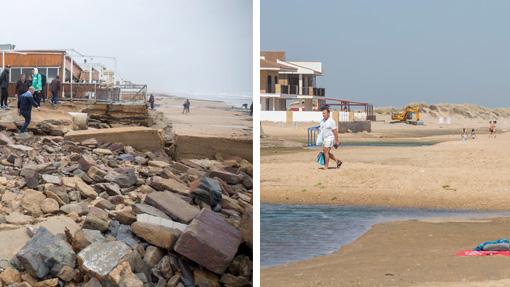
(206, 118)
(407, 253)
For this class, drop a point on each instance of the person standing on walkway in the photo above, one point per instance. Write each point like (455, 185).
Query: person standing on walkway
(25, 103)
(4, 85)
(329, 133)
(37, 84)
(151, 101)
(55, 87)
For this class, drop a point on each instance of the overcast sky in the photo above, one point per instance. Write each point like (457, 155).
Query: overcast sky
(190, 46)
(398, 51)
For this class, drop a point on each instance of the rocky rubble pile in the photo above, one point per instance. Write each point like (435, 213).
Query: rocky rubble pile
(142, 219)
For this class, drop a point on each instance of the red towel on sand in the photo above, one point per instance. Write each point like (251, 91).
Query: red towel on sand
(482, 253)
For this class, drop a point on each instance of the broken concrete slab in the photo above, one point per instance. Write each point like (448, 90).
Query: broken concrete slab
(100, 258)
(141, 138)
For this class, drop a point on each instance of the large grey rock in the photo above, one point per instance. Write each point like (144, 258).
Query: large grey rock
(208, 190)
(31, 176)
(209, 241)
(124, 177)
(100, 258)
(45, 254)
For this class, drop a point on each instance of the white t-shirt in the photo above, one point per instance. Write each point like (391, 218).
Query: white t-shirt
(327, 127)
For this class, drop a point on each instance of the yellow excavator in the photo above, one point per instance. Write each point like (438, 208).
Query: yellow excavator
(409, 115)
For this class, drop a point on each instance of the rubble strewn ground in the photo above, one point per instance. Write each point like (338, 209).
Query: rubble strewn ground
(105, 214)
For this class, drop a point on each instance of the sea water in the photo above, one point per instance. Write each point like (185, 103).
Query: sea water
(297, 232)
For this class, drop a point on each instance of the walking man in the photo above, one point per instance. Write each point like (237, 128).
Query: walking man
(25, 103)
(4, 85)
(55, 87)
(330, 138)
(37, 84)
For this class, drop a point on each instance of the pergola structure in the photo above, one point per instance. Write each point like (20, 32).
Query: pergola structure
(346, 105)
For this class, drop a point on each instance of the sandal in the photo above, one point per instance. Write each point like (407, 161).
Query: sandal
(338, 163)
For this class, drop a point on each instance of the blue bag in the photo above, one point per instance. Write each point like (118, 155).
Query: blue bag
(320, 158)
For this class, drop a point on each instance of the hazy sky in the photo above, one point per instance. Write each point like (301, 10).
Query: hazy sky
(398, 51)
(192, 46)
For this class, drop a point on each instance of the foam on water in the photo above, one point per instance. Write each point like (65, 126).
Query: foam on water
(297, 232)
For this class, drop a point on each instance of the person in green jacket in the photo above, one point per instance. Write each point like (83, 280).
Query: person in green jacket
(37, 84)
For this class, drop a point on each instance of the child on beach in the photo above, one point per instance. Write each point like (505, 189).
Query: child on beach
(464, 135)
(473, 135)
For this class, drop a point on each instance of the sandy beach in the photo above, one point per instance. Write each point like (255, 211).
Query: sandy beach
(407, 253)
(206, 118)
(450, 174)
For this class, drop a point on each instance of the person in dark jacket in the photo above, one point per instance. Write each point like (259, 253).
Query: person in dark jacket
(151, 101)
(4, 85)
(22, 85)
(44, 90)
(55, 87)
(25, 103)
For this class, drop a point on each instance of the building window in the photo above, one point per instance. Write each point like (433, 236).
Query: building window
(52, 74)
(15, 74)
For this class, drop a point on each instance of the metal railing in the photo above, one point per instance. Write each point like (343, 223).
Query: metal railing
(294, 90)
(312, 136)
(104, 93)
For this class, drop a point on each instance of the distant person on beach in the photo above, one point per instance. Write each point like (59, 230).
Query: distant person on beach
(464, 135)
(151, 101)
(329, 133)
(25, 103)
(22, 86)
(473, 135)
(37, 84)
(186, 106)
(251, 109)
(492, 129)
(55, 87)
(4, 86)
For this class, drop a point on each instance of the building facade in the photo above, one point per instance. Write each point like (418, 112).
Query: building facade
(288, 85)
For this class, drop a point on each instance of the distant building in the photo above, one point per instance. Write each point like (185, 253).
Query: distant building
(285, 84)
(81, 80)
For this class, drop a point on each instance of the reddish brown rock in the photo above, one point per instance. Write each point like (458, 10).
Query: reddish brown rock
(172, 205)
(209, 241)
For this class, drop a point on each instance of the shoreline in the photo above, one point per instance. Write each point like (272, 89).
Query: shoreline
(372, 260)
(409, 215)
